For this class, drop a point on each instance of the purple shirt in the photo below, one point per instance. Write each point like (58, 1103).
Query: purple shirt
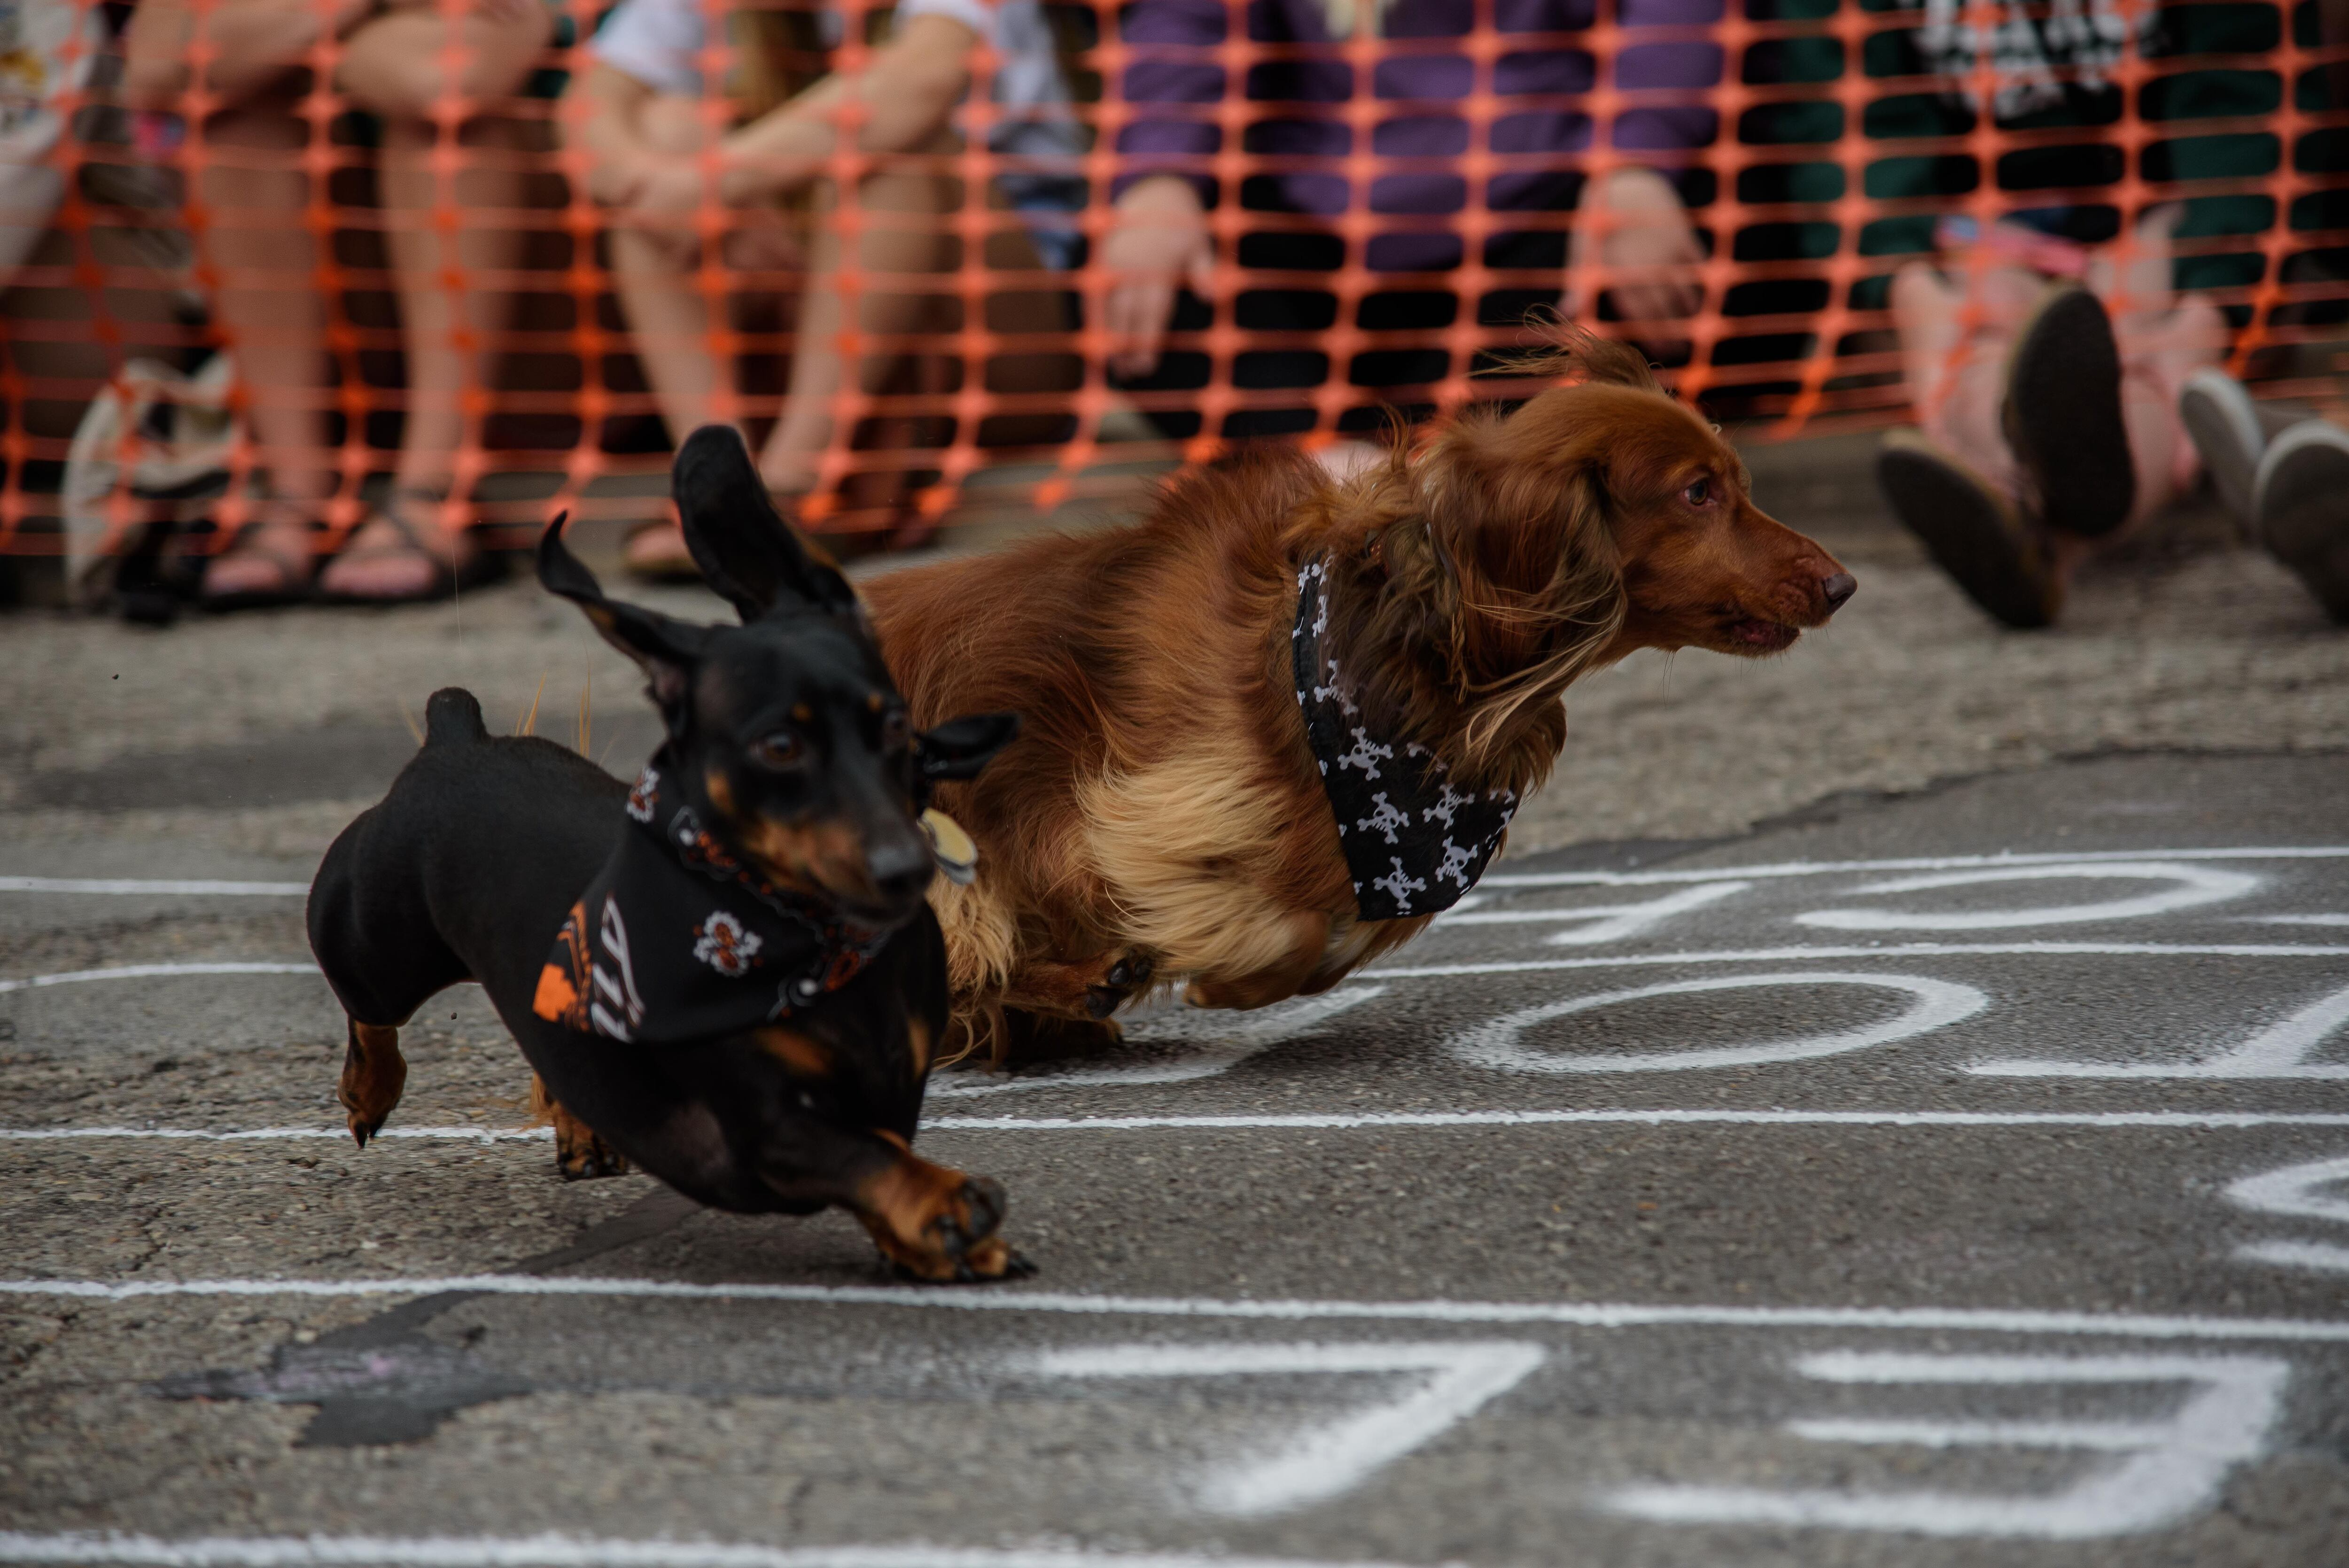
(1303, 98)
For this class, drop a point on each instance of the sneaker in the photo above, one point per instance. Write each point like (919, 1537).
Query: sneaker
(2062, 415)
(2229, 433)
(2300, 509)
(1970, 529)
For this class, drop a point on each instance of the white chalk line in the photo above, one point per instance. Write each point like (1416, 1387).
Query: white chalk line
(199, 888)
(157, 972)
(1886, 950)
(556, 1551)
(1503, 967)
(1925, 863)
(1566, 1314)
(1324, 1121)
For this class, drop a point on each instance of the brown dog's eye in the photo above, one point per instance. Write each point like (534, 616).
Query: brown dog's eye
(1699, 493)
(781, 750)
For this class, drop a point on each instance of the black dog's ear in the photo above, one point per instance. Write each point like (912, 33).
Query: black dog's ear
(667, 649)
(959, 747)
(746, 551)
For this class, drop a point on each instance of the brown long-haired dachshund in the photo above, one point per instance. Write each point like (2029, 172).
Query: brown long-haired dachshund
(1242, 711)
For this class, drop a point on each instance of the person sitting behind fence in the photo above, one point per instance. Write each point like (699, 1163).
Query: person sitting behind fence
(656, 159)
(395, 62)
(1160, 241)
(2057, 382)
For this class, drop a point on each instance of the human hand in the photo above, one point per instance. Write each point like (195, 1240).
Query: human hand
(1648, 248)
(1159, 243)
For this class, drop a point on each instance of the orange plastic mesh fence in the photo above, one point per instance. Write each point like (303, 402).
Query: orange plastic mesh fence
(972, 370)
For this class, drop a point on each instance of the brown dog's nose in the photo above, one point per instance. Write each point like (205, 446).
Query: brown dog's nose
(1838, 588)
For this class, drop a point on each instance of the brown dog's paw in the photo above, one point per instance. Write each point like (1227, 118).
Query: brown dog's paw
(579, 1154)
(957, 1244)
(373, 1073)
(582, 1156)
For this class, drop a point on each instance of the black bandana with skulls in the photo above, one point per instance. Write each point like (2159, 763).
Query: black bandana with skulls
(1413, 844)
(677, 940)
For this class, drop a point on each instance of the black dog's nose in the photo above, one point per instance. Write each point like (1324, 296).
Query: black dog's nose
(901, 872)
(1838, 588)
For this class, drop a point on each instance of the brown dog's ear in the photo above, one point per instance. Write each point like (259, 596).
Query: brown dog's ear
(1569, 352)
(666, 649)
(746, 551)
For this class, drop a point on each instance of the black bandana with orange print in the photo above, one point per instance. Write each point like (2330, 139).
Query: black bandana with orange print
(677, 940)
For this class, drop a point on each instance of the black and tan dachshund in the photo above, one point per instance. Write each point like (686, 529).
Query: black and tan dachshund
(728, 974)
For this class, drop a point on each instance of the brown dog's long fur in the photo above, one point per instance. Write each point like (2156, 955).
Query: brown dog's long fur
(1162, 811)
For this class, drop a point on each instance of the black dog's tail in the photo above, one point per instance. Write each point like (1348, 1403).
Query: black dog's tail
(452, 716)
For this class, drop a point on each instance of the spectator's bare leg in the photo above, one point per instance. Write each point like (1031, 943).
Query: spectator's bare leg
(657, 278)
(1649, 253)
(1956, 368)
(904, 217)
(394, 66)
(257, 243)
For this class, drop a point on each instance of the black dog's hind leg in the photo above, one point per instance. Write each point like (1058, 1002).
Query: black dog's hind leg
(579, 1153)
(373, 1072)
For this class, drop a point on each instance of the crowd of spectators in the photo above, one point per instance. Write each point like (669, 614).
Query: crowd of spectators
(709, 157)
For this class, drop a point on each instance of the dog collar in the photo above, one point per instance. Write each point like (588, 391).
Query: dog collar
(677, 940)
(1413, 844)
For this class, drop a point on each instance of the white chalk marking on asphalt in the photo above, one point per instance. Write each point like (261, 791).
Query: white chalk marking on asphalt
(2195, 885)
(1920, 863)
(125, 886)
(153, 972)
(1326, 1121)
(2323, 1256)
(276, 1134)
(1608, 922)
(1502, 967)
(2292, 1193)
(1234, 1036)
(1564, 1315)
(2174, 1470)
(553, 1551)
(2278, 1051)
(1888, 950)
(1500, 1045)
(1335, 1458)
(2297, 919)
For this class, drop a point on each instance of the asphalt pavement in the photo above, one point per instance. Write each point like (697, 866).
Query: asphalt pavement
(1954, 1177)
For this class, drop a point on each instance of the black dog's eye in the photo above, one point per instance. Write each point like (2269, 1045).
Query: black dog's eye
(895, 731)
(1699, 493)
(781, 750)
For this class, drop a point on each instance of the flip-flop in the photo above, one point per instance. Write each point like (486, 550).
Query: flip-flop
(290, 583)
(1970, 530)
(2225, 424)
(2301, 507)
(447, 577)
(656, 552)
(2062, 415)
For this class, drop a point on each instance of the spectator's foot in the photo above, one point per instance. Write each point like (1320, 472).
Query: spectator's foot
(2227, 430)
(2062, 415)
(657, 552)
(2301, 506)
(270, 561)
(1971, 530)
(401, 555)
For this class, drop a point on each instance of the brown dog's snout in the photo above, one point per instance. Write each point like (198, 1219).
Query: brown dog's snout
(1836, 589)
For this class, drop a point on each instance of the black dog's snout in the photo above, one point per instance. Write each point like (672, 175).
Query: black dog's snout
(1838, 588)
(901, 871)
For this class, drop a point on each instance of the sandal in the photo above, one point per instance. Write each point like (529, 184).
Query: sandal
(261, 566)
(656, 552)
(2062, 415)
(389, 535)
(1970, 530)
